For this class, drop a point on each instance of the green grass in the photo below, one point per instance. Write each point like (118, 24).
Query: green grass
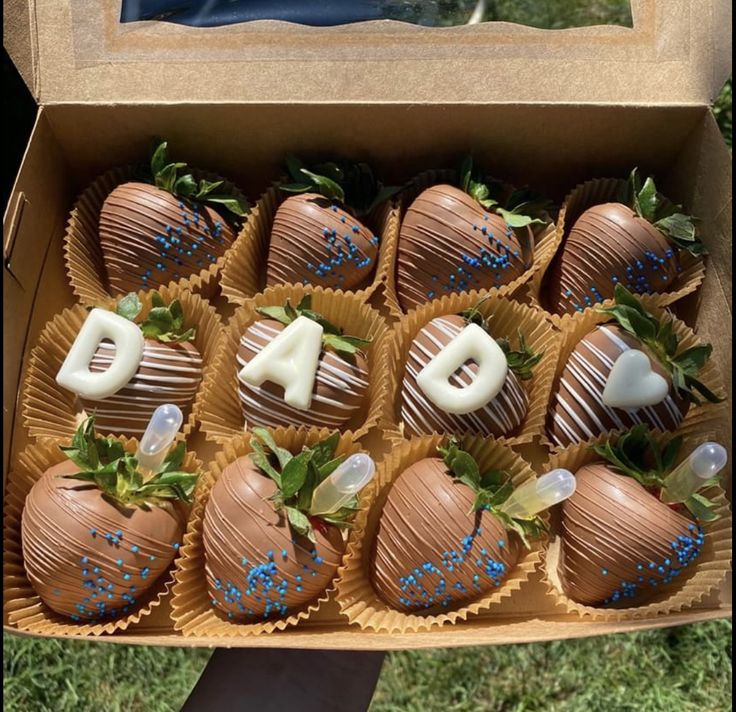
(674, 670)
(680, 669)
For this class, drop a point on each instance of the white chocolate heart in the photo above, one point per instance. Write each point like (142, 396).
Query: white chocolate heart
(633, 384)
(471, 344)
(290, 360)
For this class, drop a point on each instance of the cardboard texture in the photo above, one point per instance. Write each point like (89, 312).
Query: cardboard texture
(677, 51)
(573, 105)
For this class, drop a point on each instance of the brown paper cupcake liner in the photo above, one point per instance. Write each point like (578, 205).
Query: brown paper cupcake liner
(244, 273)
(506, 317)
(52, 411)
(707, 416)
(191, 609)
(597, 192)
(218, 409)
(707, 573)
(355, 594)
(545, 242)
(23, 608)
(83, 257)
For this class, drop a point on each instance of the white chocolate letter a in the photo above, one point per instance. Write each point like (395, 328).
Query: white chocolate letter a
(290, 360)
(74, 374)
(471, 344)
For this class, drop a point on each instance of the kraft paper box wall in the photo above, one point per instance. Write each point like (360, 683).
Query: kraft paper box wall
(546, 108)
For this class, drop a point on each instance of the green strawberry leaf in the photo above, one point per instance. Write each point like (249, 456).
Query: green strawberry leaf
(352, 184)
(166, 322)
(701, 508)
(693, 359)
(276, 313)
(647, 200)
(678, 228)
(684, 367)
(296, 187)
(326, 186)
(323, 452)
(300, 523)
(129, 306)
(294, 473)
(185, 186)
(282, 454)
(517, 220)
(491, 489)
(104, 462)
(207, 188)
(332, 336)
(297, 476)
(522, 361)
(237, 206)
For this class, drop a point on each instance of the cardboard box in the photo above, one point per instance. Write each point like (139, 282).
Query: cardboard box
(547, 108)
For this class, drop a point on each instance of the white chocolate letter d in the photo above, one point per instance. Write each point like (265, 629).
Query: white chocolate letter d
(74, 374)
(290, 360)
(471, 344)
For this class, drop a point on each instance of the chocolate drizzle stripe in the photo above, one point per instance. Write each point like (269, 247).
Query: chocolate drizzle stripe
(500, 416)
(103, 562)
(298, 239)
(651, 412)
(244, 539)
(618, 537)
(577, 411)
(339, 391)
(410, 538)
(140, 253)
(607, 244)
(467, 372)
(438, 240)
(168, 373)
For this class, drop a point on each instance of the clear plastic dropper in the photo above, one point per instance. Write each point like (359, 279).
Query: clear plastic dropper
(536, 495)
(345, 482)
(160, 433)
(703, 463)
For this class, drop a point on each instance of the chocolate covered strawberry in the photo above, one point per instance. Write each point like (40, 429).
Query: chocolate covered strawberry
(443, 537)
(457, 238)
(98, 531)
(268, 551)
(166, 228)
(170, 370)
(340, 375)
(636, 241)
(317, 235)
(621, 536)
(625, 372)
(500, 415)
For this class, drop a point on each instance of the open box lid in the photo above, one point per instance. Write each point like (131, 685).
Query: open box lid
(678, 52)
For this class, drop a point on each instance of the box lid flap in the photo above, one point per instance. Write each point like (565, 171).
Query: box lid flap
(679, 51)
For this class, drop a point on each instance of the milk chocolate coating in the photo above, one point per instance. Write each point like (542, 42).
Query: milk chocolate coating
(316, 242)
(256, 566)
(149, 237)
(430, 551)
(500, 416)
(449, 243)
(340, 386)
(87, 558)
(619, 542)
(608, 244)
(168, 373)
(577, 412)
